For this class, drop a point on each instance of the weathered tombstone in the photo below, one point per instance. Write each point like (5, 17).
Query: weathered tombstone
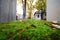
(7, 10)
(37, 15)
(40, 15)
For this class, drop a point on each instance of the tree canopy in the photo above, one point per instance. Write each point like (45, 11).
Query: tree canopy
(40, 4)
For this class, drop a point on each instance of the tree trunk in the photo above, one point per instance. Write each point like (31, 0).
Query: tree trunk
(7, 10)
(24, 9)
(53, 10)
(29, 17)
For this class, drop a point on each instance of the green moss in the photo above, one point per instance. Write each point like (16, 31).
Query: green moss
(28, 30)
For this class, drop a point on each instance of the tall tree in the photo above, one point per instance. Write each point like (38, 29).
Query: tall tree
(29, 7)
(24, 9)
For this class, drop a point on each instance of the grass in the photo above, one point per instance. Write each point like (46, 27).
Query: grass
(28, 30)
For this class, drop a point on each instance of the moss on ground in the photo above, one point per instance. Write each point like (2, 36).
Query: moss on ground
(28, 30)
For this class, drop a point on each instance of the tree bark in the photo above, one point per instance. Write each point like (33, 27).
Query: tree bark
(24, 9)
(53, 10)
(7, 10)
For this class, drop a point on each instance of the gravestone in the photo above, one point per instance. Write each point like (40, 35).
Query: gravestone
(37, 15)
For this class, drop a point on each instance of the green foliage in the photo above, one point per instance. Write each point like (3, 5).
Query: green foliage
(28, 30)
(40, 4)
